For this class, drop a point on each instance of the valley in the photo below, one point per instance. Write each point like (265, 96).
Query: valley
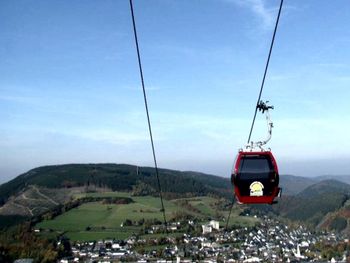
(59, 211)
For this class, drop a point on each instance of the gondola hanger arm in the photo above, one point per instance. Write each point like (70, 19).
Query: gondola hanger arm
(264, 108)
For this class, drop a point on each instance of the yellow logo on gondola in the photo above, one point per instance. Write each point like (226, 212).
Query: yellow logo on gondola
(256, 189)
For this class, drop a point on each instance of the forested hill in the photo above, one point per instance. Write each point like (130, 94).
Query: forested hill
(306, 199)
(124, 177)
(117, 177)
(319, 204)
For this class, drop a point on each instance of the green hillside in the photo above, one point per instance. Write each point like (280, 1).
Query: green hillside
(97, 220)
(116, 177)
(325, 187)
(47, 188)
(53, 188)
(314, 202)
(338, 220)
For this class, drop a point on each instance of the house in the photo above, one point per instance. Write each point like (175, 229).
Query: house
(252, 259)
(172, 228)
(214, 224)
(207, 229)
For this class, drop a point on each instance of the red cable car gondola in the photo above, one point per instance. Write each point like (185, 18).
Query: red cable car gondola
(255, 175)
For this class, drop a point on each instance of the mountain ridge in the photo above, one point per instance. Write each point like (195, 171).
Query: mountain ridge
(117, 177)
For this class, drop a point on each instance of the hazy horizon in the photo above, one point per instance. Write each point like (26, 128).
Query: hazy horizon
(297, 168)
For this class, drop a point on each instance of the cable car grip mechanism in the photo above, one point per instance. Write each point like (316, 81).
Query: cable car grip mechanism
(263, 107)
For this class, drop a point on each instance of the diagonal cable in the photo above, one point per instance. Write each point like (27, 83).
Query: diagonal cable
(265, 72)
(146, 106)
(229, 215)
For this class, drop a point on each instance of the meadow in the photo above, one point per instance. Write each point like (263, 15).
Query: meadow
(96, 220)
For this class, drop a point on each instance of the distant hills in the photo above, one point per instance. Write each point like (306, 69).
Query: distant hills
(47, 188)
(319, 201)
(292, 185)
(323, 205)
(341, 178)
(115, 177)
(326, 188)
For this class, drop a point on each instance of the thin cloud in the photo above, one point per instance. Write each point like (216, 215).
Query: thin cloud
(44, 104)
(110, 136)
(261, 11)
(258, 8)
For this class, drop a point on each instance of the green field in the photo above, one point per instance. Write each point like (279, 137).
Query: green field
(205, 204)
(94, 220)
(104, 220)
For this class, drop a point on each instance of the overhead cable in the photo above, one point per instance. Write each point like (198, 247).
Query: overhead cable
(147, 112)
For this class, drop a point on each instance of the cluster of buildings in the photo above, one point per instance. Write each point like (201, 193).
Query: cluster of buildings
(106, 250)
(270, 241)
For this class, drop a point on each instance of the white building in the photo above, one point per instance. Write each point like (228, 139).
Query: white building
(214, 224)
(207, 229)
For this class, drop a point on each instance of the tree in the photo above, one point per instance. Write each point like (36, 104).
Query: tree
(127, 222)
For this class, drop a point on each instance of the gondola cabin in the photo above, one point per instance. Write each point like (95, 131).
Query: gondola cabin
(255, 178)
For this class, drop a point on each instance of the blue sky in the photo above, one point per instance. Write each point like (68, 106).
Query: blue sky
(70, 89)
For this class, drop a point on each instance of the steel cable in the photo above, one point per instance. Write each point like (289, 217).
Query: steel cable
(147, 112)
(265, 72)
